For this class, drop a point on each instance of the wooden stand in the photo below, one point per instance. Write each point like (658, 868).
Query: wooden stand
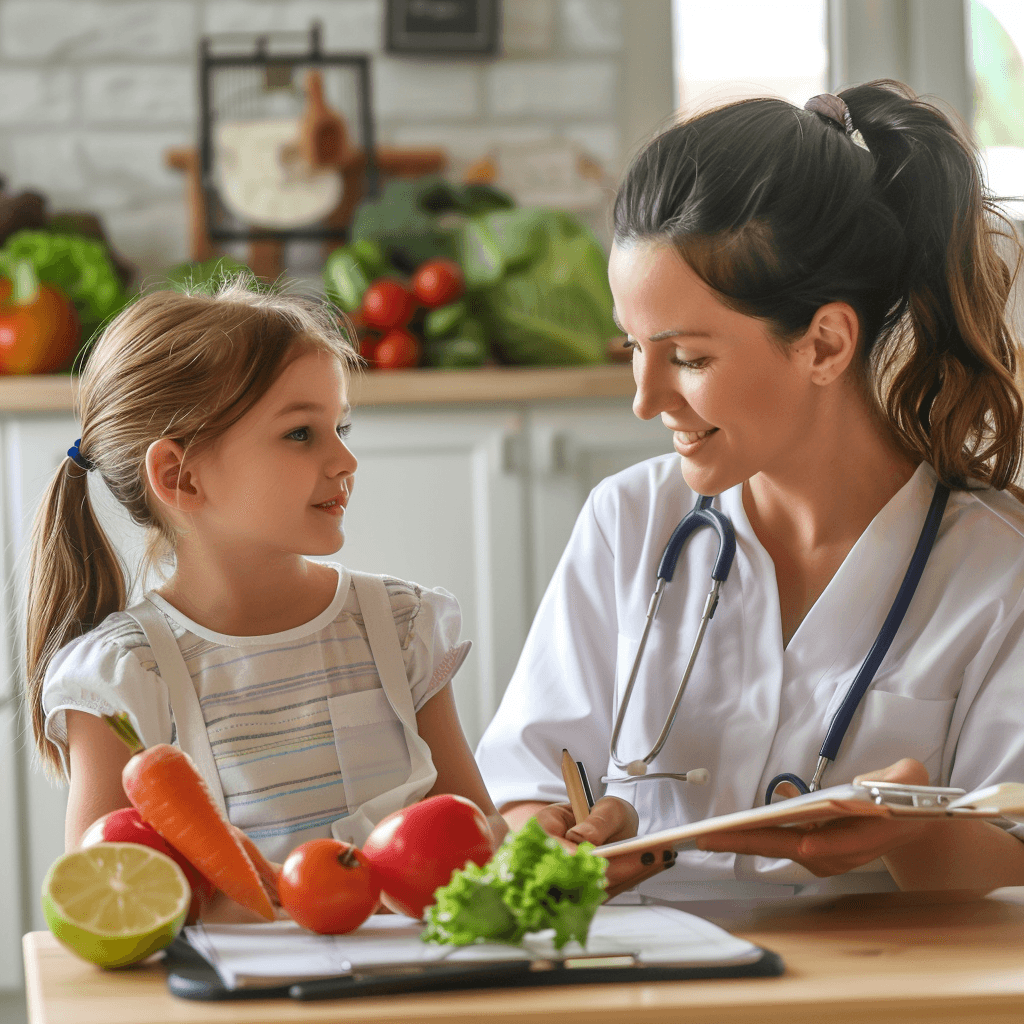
(266, 255)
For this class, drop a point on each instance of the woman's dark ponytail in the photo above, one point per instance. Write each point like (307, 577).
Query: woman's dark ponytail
(781, 211)
(952, 394)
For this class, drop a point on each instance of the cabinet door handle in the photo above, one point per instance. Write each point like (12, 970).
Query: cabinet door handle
(513, 454)
(554, 455)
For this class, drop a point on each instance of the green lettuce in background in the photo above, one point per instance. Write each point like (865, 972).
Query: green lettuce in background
(536, 279)
(76, 266)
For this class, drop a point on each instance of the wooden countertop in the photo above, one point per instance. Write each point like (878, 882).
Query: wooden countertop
(899, 958)
(394, 387)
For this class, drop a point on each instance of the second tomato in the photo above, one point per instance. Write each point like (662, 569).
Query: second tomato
(438, 282)
(397, 350)
(387, 303)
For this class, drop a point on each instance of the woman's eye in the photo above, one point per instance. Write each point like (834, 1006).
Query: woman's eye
(344, 430)
(299, 434)
(690, 364)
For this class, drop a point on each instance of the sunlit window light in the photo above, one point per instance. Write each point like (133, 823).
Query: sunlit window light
(997, 42)
(731, 49)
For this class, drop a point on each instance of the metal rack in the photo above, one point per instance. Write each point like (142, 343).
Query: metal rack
(249, 76)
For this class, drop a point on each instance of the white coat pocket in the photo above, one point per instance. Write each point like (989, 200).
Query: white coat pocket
(371, 745)
(889, 726)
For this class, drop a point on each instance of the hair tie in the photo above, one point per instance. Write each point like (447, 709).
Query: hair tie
(835, 109)
(78, 458)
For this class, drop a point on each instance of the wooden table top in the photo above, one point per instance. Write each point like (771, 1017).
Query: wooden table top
(897, 957)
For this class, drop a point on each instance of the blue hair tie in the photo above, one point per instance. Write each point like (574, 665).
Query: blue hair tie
(78, 458)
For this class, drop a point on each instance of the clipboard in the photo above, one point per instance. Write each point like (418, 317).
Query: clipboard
(625, 944)
(191, 977)
(1002, 803)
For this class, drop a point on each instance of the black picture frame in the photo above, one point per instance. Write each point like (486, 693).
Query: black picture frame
(442, 27)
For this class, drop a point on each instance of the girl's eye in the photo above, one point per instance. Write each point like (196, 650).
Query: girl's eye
(299, 434)
(344, 430)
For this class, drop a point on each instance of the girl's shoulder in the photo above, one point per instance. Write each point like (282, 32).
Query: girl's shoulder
(415, 608)
(116, 637)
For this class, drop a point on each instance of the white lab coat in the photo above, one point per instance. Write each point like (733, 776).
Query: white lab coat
(950, 691)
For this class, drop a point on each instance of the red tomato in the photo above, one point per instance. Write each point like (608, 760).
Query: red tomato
(328, 887)
(39, 335)
(387, 303)
(127, 826)
(367, 347)
(438, 282)
(415, 850)
(397, 350)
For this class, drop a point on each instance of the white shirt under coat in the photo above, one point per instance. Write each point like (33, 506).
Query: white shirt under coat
(950, 691)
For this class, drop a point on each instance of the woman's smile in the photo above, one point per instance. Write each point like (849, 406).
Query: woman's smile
(686, 442)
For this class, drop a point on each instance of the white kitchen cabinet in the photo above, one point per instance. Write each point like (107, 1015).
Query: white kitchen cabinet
(439, 500)
(573, 449)
(478, 499)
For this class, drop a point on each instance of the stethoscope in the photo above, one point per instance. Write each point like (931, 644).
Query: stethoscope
(703, 515)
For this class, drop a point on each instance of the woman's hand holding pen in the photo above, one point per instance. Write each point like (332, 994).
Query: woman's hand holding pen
(610, 819)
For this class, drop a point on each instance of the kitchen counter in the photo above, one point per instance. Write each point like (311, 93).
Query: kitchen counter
(394, 387)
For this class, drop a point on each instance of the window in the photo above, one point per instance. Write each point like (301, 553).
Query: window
(730, 49)
(997, 39)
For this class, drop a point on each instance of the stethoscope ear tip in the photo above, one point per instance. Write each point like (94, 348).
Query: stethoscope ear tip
(698, 776)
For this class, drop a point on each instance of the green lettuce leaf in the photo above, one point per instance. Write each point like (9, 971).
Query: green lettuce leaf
(531, 884)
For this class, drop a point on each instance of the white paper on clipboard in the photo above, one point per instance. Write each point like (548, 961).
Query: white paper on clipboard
(1003, 802)
(258, 955)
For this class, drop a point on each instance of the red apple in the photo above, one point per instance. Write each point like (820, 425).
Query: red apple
(126, 826)
(415, 850)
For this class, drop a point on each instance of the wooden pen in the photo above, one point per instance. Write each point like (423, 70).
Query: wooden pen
(574, 787)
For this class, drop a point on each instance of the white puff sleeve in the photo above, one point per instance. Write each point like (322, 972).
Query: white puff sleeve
(109, 670)
(428, 621)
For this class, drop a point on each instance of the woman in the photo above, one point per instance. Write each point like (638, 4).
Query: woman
(817, 313)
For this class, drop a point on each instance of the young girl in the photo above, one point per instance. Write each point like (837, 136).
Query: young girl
(817, 312)
(313, 700)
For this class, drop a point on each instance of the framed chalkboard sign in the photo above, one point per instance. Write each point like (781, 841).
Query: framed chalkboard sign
(442, 27)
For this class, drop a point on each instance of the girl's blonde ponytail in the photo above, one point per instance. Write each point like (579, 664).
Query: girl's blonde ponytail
(75, 580)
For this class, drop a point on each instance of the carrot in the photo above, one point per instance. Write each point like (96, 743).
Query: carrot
(165, 787)
(269, 873)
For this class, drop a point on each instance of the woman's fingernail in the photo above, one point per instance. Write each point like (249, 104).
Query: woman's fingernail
(647, 858)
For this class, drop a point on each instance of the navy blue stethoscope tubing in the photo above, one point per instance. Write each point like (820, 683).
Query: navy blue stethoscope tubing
(866, 674)
(702, 514)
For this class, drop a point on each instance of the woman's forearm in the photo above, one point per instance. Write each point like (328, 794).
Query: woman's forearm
(974, 855)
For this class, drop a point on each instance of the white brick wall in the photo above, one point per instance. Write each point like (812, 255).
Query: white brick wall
(551, 89)
(95, 92)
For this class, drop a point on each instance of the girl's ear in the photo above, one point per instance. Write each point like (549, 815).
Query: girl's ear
(173, 484)
(831, 341)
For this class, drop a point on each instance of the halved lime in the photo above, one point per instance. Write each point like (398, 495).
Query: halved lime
(115, 903)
